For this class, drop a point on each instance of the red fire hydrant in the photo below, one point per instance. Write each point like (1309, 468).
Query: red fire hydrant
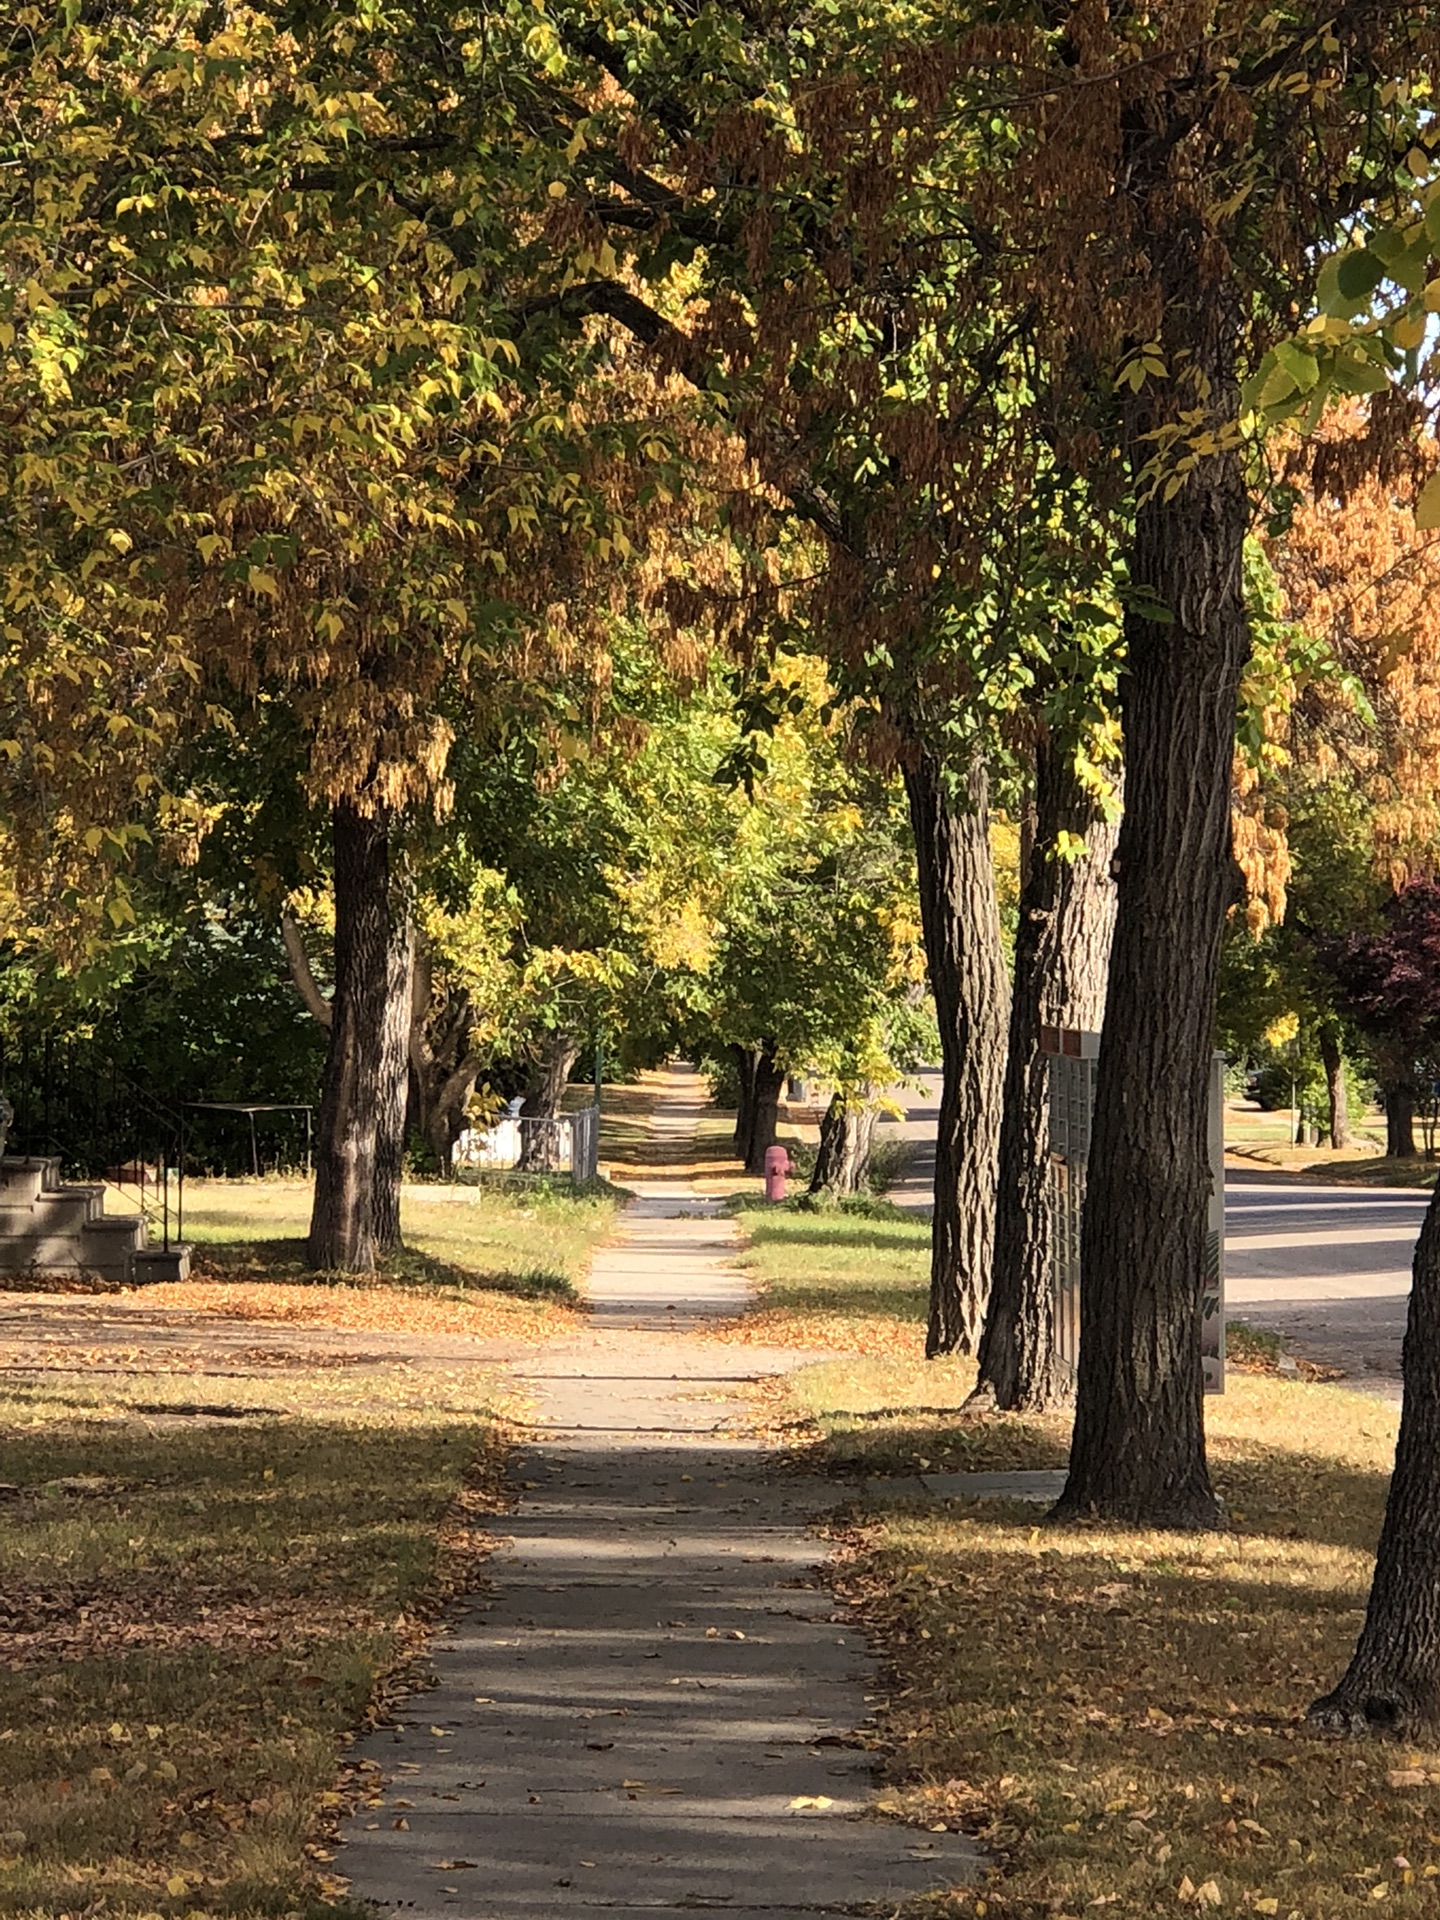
(777, 1165)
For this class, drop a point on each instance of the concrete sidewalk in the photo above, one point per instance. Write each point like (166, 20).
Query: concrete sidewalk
(657, 1711)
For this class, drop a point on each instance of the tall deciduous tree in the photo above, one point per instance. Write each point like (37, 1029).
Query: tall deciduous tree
(1205, 154)
(271, 429)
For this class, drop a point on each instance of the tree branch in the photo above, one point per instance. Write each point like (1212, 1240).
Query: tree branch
(421, 995)
(683, 354)
(306, 984)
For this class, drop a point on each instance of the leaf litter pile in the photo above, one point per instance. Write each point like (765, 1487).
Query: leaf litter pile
(1118, 1714)
(207, 1579)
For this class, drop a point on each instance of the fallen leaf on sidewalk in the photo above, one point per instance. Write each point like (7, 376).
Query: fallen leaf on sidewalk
(450, 1866)
(810, 1802)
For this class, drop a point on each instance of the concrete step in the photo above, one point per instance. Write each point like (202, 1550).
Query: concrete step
(153, 1264)
(50, 1225)
(115, 1230)
(105, 1245)
(19, 1251)
(22, 1180)
(67, 1209)
(69, 1268)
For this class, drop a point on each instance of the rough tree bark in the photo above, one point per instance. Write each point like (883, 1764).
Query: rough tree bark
(1392, 1684)
(360, 1132)
(1138, 1451)
(847, 1139)
(544, 1092)
(757, 1116)
(769, 1083)
(1399, 1098)
(961, 923)
(1332, 1056)
(1062, 954)
(443, 1071)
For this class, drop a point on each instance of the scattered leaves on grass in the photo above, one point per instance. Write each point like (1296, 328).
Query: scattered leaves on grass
(1117, 1715)
(188, 1641)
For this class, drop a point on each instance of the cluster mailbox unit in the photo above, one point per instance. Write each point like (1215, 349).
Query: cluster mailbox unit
(1070, 1057)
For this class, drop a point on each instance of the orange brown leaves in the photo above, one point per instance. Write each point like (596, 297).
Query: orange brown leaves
(1357, 574)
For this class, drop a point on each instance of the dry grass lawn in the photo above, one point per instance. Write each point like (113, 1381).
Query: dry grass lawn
(206, 1580)
(216, 1559)
(492, 1262)
(1120, 1712)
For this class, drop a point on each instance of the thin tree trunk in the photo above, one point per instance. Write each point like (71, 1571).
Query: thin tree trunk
(1333, 1057)
(961, 922)
(359, 1143)
(1062, 952)
(550, 1075)
(1399, 1096)
(847, 1139)
(746, 1064)
(1138, 1450)
(1392, 1684)
(768, 1083)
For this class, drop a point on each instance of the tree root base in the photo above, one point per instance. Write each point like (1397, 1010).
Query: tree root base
(1347, 1715)
(1191, 1516)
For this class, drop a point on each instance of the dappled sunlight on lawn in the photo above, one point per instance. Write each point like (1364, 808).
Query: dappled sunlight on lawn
(484, 1261)
(1119, 1710)
(835, 1279)
(207, 1578)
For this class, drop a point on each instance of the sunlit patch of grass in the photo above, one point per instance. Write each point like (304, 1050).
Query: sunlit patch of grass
(1120, 1711)
(902, 1416)
(477, 1261)
(207, 1581)
(849, 1278)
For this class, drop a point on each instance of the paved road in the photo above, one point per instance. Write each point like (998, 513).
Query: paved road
(917, 1131)
(1328, 1267)
(655, 1711)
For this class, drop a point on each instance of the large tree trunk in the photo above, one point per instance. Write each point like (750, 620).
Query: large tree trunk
(540, 1150)
(847, 1139)
(767, 1084)
(1392, 1684)
(360, 1133)
(1333, 1057)
(1138, 1451)
(443, 1071)
(961, 922)
(1399, 1097)
(1062, 953)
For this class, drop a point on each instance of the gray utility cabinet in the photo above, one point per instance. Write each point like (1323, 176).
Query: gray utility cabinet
(1070, 1057)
